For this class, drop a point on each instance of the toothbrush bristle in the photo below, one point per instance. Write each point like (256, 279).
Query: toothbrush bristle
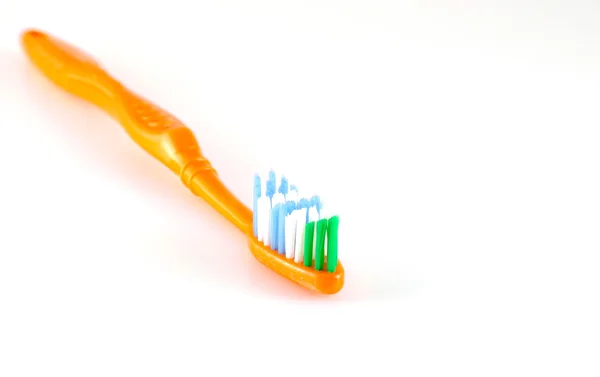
(283, 186)
(271, 184)
(321, 229)
(256, 195)
(281, 228)
(293, 225)
(274, 231)
(332, 243)
(290, 234)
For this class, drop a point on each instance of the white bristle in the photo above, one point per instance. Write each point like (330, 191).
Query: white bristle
(259, 215)
(265, 213)
(263, 202)
(313, 215)
(290, 233)
(300, 226)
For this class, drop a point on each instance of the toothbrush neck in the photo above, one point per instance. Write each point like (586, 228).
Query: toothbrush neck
(201, 178)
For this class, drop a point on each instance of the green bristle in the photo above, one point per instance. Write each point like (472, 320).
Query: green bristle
(332, 243)
(308, 243)
(320, 245)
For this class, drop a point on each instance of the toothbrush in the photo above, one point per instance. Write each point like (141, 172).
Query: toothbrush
(286, 232)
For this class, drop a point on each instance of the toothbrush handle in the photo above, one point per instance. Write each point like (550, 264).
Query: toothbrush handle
(154, 129)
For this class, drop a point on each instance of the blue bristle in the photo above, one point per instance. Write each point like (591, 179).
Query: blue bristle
(281, 229)
(316, 201)
(256, 195)
(283, 187)
(307, 213)
(271, 183)
(303, 203)
(274, 226)
(290, 206)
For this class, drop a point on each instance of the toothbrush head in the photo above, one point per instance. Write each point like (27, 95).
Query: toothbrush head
(293, 236)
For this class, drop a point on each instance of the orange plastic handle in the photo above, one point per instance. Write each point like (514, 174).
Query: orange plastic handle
(166, 138)
(159, 133)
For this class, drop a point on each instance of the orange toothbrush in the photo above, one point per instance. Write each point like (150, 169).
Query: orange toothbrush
(171, 142)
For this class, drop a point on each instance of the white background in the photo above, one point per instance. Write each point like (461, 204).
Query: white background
(459, 142)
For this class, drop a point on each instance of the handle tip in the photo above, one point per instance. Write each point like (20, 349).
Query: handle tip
(30, 35)
(44, 47)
